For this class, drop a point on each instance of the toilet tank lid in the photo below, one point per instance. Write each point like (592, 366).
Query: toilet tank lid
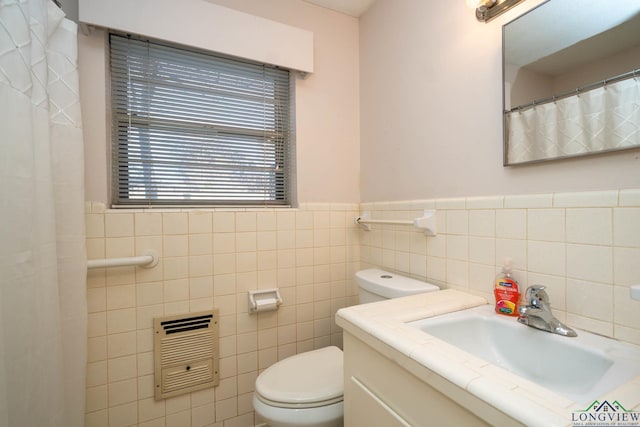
(391, 285)
(313, 376)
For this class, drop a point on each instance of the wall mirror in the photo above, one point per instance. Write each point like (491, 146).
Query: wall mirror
(571, 79)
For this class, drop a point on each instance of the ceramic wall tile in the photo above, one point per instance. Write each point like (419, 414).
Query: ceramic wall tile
(96, 373)
(489, 202)
(200, 221)
(457, 222)
(96, 398)
(122, 296)
(546, 257)
(630, 197)
(121, 392)
(203, 415)
(175, 223)
(586, 199)
(589, 262)
(148, 224)
(246, 221)
(175, 245)
(546, 224)
(123, 415)
(581, 295)
(94, 225)
(511, 223)
(122, 368)
(528, 201)
(118, 225)
(118, 247)
(482, 250)
(200, 244)
(513, 249)
(452, 203)
(626, 311)
(626, 227)
(590, 226)
(482, 223)
(626, 268)
(582, 246)
(457, 247)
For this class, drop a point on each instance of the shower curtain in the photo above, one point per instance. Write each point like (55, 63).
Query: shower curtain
(42, 254)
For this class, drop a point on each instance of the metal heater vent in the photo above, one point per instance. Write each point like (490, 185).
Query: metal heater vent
(185, 353)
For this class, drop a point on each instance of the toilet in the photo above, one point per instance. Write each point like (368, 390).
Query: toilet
(307, 389)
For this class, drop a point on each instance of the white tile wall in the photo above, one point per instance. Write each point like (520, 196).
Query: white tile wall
(584, 246)
(210, 258)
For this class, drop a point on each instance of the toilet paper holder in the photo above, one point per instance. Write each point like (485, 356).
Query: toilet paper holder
(264, 300)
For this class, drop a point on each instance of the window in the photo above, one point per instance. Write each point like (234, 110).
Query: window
(195, 128)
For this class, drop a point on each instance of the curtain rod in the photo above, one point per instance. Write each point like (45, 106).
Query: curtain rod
(577, 91)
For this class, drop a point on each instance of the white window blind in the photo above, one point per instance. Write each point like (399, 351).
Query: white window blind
(193, 128)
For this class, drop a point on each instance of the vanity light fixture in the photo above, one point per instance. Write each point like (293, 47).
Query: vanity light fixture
(486, 10)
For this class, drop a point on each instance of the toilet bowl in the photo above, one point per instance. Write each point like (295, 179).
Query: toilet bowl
(302, 390)
(307, 389)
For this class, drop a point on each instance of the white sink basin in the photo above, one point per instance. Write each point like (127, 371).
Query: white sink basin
(581, 368)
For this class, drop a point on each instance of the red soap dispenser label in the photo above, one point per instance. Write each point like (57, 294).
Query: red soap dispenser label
(507, 295)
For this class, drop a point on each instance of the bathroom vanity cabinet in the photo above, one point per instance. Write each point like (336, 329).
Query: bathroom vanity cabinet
(388, 375)
(380, 392)
(397, 374)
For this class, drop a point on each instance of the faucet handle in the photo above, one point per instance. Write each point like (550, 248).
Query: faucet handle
(536, 294)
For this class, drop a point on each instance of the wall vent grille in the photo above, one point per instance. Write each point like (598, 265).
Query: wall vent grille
(185, 353)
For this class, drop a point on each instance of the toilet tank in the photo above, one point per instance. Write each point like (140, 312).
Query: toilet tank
(377, 285)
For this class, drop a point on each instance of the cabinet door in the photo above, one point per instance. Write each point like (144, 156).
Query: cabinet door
(368, 410)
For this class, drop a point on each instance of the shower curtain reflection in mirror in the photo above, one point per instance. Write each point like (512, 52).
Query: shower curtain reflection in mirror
(43, 320)
(603, 119)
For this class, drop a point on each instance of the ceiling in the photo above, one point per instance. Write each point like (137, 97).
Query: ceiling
(350, 7)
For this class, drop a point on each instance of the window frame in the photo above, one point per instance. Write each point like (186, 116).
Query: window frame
(280, 193)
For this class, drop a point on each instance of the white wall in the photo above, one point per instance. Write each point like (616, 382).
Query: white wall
(431, 99)
(327, 110)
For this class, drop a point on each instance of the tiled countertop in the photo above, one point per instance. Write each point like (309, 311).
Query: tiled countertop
(385, 322)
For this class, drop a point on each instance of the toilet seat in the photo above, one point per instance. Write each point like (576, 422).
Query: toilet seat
(305, 380)
(307, 405)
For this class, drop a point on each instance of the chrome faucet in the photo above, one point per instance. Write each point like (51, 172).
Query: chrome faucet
(537, 313)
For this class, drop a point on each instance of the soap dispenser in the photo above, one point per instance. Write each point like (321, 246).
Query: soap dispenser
(506, 291)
